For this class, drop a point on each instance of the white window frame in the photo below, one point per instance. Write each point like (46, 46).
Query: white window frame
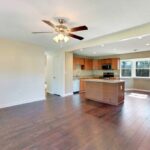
(121, 68)
(133, 71)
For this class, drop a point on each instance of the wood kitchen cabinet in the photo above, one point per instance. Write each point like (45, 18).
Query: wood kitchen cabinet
(81, 61)
(88, 65)
(109, 92)
(105, 61)
(82, 85)
(115, 63)
(78, 61)
(96, 64)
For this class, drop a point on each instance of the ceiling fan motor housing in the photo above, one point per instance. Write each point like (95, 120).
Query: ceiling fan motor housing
(61, 29)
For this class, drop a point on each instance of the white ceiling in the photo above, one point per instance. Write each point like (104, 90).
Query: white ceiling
(120, 47)
(19, 18)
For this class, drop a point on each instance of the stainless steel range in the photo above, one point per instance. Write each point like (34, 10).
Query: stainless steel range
(108, 75)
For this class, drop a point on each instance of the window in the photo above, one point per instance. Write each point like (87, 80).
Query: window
(135, 68)
(143, 68)
(126, 68)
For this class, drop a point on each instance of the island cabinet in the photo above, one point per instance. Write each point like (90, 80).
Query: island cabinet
(109, 92)
(82, 85)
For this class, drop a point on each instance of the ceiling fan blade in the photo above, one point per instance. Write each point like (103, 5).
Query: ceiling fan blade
(49, 23)
(41, 32)
(80, 28)
(75, 36)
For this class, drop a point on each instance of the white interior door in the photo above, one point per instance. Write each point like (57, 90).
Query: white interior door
(57, 75)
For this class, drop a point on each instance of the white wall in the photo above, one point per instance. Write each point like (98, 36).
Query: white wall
(21, 73)
(141, 84)
(129, 83)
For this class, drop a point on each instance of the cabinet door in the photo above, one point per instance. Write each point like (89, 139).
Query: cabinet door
(88, 64)
(115, 63)
(96, 65)
(75, 60)
(100, 64)
(78, 61)
(81, 61)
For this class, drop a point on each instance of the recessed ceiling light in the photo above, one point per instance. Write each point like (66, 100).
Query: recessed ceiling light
(102, 45)
(140, 37)
(147, 44)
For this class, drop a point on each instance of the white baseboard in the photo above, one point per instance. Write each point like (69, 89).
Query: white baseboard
(49, 92)
(140, 90)
(20, 103)
(66, 94)
(62, 95)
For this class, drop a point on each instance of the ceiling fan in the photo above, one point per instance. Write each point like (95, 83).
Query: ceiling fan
(64, 31)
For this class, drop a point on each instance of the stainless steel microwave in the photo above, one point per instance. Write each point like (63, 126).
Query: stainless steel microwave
(106, 67)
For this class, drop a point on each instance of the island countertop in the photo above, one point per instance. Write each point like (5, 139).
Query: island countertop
(104, 80)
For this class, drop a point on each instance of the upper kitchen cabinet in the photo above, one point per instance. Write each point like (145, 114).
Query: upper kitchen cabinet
(88, 65)
(115, 63)
(78, 61)
(97, 64)
(105, 61)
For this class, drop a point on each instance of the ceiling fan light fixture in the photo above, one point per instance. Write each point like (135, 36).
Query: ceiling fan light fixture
(66, 39)
(61, 37)
(56, 39)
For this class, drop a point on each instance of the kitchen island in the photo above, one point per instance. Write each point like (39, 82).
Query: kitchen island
(105, 91)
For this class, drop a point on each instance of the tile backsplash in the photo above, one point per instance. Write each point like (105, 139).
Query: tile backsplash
(100, 72)
(79, 72)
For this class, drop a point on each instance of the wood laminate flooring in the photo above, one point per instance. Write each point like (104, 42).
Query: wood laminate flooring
(73, 123)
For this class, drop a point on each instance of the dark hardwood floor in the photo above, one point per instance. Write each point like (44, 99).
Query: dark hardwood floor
(73, 123)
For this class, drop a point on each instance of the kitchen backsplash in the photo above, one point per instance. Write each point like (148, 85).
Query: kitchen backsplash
(79, 72)
(100, 72)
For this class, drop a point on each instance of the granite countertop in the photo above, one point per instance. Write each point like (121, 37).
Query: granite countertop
(104, 80)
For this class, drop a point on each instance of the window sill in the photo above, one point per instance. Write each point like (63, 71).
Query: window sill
(141, 77)
(135, 77)
(126, 77)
